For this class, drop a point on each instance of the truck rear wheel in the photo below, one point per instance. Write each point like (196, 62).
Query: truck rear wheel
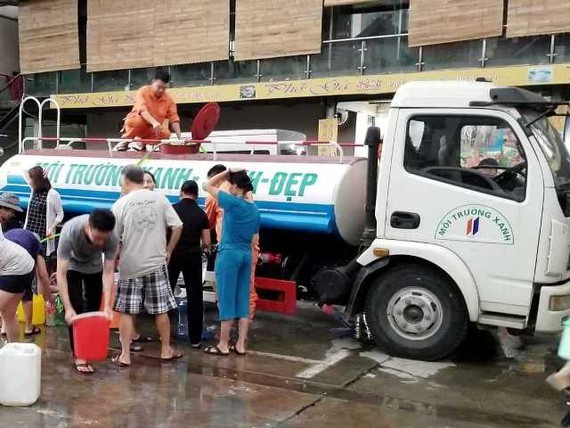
(414, 311)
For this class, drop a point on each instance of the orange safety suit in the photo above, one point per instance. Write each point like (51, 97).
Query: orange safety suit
(215, 216)
(160, 108)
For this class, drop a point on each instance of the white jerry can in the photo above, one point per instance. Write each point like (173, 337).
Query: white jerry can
(20, 374)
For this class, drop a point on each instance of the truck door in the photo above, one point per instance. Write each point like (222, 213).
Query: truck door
(475, 184)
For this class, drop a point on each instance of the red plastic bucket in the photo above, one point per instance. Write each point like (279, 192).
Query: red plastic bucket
(91, 336)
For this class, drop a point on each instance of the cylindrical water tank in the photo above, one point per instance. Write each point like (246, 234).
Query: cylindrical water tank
(297, 193)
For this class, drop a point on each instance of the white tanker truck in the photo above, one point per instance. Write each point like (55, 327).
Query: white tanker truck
(463, 220)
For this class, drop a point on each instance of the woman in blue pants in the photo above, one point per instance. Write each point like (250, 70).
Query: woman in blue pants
(233, 262)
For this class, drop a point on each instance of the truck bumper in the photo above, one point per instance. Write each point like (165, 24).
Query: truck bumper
(553, 306)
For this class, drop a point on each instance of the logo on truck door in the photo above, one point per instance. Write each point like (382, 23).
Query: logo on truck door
(476, 223)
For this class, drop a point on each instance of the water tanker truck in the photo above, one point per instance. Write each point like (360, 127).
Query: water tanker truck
(463, 219)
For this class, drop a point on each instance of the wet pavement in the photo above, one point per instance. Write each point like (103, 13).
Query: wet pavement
(298, 374)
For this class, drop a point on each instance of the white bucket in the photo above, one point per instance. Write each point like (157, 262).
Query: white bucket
(20, 374)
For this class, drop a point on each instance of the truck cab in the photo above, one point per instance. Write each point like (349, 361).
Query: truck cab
(470, 220)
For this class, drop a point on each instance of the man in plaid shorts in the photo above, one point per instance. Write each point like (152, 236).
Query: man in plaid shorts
(143, 218)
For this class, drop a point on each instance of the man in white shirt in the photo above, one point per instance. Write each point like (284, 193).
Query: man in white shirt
(16, 274)
(143, 219)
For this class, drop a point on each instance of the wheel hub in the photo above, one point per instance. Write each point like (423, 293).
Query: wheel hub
(414, 313)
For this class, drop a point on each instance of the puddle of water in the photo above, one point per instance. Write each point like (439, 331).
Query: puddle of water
(377, 356)
(421, 369)
(406, 377)
(339, 350)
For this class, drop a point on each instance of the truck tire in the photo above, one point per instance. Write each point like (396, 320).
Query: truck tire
(416, 312)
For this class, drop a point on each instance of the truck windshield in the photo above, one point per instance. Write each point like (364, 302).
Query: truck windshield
(551, 144)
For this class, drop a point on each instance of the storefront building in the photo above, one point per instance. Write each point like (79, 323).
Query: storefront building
(284, 63)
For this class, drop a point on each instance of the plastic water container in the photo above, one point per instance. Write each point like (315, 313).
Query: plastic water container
(182, 329)
(39, 311)
(91, 336)
(564, 345)
(20, 374)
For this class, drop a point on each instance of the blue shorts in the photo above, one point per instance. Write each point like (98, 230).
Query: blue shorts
(233, 271)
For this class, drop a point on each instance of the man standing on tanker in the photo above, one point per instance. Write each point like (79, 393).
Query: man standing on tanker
(153, 105)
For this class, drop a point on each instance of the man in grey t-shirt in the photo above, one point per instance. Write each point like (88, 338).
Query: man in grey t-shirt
(81, 274)
(143, 219)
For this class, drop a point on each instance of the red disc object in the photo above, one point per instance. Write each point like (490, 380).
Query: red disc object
(205, 121)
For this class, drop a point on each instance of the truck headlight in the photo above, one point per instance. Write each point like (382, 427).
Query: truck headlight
(559, 303)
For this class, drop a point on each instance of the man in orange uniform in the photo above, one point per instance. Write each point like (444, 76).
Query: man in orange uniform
(215, 216)
(152, 106)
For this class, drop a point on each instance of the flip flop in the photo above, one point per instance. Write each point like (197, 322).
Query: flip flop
(234, 349)
(214, 350)
(175, 356)
(136, 348)
(119, 363)
(34, 331)
(84, 369)
(141, 339)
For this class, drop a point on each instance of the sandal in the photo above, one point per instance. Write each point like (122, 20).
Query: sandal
(141, 339)
(136, 348)
(34, 331)
(233, 348)
(214, 350)
(175, 356)
(117, 360)
(84, 369)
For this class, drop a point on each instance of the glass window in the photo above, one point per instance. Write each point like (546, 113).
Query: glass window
(235, 71)
(562, 47)
(518, 50)
(552, 146)
(337, 58)
(141, 77)
(286, 68)
(475, 152)
(453, 55)
(351, 22)
(191, 74)
(389, 55)
(116, 80)
(41, 84)
(74, 81)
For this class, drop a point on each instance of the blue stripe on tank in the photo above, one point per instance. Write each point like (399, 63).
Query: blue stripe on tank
(294, 216)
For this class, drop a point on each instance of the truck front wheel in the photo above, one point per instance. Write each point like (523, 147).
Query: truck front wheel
(414, 311)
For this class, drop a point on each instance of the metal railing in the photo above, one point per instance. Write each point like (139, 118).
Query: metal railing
(15, 84)
(390, 48)
(67, 143)
(40, 105)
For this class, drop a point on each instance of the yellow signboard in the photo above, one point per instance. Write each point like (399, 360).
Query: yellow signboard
(330, 86)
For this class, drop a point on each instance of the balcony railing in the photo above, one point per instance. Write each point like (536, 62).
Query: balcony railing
(338, 57)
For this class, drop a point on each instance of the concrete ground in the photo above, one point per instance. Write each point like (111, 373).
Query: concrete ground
(299, 373)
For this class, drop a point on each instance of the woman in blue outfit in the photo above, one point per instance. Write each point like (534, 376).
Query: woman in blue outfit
(233, 262)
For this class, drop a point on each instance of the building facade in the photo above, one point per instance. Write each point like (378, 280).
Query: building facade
(283, 64)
